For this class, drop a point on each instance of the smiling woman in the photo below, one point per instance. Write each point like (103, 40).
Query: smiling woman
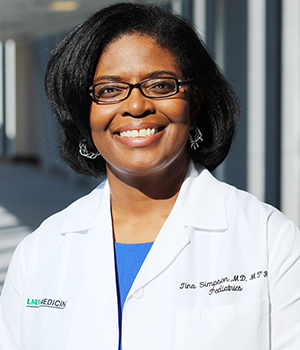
(69, 90)
(139, 98)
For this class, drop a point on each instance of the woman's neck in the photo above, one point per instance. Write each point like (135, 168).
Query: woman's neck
(141, 204)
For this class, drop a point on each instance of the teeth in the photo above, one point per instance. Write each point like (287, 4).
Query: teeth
(138, 133)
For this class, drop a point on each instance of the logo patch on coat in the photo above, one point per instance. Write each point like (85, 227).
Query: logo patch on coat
(45, 302)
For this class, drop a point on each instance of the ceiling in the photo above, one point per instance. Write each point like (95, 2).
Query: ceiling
(32, 19)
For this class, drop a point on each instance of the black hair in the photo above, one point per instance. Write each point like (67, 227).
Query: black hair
(71, 68)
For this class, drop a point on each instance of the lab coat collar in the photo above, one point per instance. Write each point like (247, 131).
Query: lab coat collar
(83, 214)
(202, 200)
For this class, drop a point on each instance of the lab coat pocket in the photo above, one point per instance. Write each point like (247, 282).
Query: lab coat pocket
(231, 327)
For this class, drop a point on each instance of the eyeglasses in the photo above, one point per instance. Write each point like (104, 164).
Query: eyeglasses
(114, 91)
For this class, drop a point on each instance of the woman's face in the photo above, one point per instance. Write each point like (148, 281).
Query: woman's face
(132, 59)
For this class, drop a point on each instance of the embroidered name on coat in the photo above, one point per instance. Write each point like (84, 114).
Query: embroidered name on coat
(224, 284)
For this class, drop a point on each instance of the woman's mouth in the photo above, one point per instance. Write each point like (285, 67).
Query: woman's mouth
(138, 133)
(140, 137)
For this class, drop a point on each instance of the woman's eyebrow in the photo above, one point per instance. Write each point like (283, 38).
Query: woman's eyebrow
(154, 74)
(160, 73)
(107, 78)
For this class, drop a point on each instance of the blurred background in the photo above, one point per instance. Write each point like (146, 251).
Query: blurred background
(255, 42)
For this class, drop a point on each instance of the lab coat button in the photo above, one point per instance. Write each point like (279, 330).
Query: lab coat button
(139, 293)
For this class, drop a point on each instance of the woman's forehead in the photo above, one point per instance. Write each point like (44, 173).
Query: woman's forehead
(136, 54)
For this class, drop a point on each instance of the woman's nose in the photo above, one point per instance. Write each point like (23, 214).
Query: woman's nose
(137, 105)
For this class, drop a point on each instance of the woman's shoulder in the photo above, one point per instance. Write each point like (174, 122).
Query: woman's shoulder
(75, 217)
(244, 201)
(245, 204)
(77, 214)
(43, 243)
(237, 203)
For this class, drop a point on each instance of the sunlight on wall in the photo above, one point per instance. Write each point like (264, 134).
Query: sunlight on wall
(10, 93)
(1, 99)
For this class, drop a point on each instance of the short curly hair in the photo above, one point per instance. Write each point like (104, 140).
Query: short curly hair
(72, 66)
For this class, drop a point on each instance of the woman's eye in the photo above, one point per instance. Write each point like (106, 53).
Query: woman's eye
(110, 91)
(161, 88)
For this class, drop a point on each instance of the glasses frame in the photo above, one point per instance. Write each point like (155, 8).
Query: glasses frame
(178, 84)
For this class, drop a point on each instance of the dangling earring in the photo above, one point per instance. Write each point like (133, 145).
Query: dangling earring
(85, 152)
(197, 138)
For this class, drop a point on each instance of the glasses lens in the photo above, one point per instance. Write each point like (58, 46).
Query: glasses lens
(110, 91)
(160, 87)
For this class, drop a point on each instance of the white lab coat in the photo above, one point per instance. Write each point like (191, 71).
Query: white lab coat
(223, 273)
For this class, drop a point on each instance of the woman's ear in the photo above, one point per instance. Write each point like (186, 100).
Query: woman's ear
(195, 105)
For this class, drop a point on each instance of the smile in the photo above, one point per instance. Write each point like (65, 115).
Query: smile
(138, 133)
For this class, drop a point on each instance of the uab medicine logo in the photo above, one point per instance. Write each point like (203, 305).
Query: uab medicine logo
(52, 303)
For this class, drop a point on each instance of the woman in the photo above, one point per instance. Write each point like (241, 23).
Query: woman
(160, 255)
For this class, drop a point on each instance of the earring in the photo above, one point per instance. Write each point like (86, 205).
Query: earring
(85, 152)
(197, 138)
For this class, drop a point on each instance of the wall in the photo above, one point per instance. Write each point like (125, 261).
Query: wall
(257, 44)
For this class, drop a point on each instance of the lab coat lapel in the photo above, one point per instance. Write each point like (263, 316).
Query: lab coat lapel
(203, 200)
(172, 239)
(99, 251)
(199, 195)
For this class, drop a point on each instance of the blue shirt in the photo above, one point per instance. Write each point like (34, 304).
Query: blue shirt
(129, 259)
